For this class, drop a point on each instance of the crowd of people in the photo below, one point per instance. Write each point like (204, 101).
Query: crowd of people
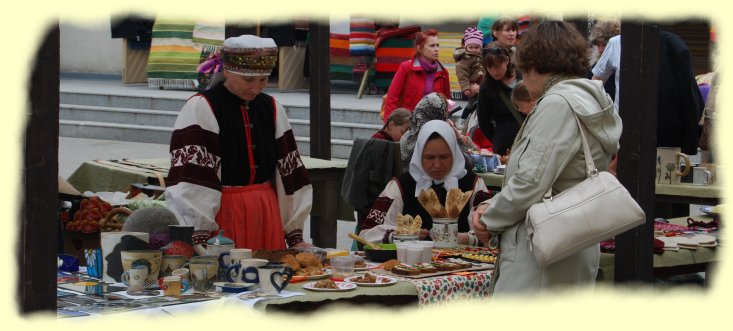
(235, 165)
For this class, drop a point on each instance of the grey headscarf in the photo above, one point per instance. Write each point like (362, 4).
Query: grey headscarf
(431, 107)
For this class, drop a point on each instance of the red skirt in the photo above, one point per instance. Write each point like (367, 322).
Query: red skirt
(250, 215)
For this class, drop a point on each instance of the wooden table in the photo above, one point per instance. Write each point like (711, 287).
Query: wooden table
(671, 263)
(325, 175)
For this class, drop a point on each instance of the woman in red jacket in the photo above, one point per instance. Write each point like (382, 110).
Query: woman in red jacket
(419, 76)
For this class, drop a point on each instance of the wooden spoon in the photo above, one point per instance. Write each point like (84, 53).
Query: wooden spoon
(363, 241)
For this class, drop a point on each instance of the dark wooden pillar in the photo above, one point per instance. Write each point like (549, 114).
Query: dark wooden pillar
(320, 91)
(38, 228)
(636, 166)
(325, 188)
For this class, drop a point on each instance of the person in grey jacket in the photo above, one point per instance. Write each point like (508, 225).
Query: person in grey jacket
(547, 152)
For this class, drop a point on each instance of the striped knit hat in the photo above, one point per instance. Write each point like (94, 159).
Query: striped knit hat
(473, 36)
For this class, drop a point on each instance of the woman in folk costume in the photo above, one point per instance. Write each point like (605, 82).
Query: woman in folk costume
(234, 162)
(437, 163)
(419, 76)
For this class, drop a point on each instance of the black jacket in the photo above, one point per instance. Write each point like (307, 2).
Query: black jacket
(679, 103)
(494, 117)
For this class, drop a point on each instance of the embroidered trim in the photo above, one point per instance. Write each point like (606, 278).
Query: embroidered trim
(195, 154)
(294, 237)
(248, 135)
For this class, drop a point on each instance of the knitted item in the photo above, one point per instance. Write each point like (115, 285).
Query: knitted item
(473, 36)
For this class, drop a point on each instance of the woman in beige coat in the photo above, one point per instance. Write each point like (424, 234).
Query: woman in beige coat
(547, 152)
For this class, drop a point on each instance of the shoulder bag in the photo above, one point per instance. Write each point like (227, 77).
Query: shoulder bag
(593, 210)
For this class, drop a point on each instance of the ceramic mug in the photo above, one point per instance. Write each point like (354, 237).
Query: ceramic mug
(668, 165)
(274, 277)
(170, 263)
(203, 275)
(444, 232)
(701, 176)
(149, 258)
(183, 273)
(245, 271)
(173, 285)
(233, 256)
(135, 278)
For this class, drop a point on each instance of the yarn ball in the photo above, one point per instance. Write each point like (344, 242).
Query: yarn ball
(152, 220)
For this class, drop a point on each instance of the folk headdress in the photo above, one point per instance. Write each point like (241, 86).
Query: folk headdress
(246, 55)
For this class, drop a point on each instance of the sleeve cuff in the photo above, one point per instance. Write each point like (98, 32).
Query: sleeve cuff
(294, 237)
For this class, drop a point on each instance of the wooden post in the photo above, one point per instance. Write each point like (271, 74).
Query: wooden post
(39, 211)
(636, 159)
(320, 91)
(323, 220)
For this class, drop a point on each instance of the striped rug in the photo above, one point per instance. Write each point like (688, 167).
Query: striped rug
(173, 58)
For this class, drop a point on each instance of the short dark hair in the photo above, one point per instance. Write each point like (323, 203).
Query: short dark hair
(553, 47)
(503, 22)
(520, 92)
(494, 54)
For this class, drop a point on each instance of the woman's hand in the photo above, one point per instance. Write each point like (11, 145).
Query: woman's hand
(424, 233)
(302, 244)
(479, 228)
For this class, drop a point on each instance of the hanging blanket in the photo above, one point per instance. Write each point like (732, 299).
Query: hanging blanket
(208, 36)
(173, 58)
(342, 65)
(449, 41)
(390, 53)
(361, 36)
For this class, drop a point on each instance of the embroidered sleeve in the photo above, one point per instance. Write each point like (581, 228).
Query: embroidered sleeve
(294, 191)
(194, 188)
(383, 215)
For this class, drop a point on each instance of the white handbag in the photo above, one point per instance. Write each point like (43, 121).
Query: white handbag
(593, 210)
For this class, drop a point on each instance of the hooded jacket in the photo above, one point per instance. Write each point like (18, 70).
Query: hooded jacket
(469, 69)
(547, 152)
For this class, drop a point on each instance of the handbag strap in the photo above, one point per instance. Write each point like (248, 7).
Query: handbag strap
(590, 167)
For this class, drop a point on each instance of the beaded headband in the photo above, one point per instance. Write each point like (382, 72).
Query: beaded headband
(249, 61)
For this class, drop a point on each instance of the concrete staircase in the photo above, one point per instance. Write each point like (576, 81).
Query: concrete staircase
(140, 114)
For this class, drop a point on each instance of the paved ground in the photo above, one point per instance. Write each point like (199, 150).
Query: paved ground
(75, 151)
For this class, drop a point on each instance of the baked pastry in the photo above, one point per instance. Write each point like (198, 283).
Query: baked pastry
(290, 261)
(326, 283)
(391, 263)
(308, 259)
(407, 225)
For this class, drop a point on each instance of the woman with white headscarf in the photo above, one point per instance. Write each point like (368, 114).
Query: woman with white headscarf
(436, 163)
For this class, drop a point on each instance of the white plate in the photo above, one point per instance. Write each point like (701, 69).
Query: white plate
(709, 211)
(342, 286)
(390, 281)
(369, 265)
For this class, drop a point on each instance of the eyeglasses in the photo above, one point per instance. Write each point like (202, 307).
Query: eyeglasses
(496, 51)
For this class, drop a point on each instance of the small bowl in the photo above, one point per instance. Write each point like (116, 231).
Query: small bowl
(388, 252)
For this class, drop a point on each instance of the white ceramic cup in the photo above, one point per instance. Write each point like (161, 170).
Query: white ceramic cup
(274, 277)
(427, 250)
(701, 176)
(247, 271)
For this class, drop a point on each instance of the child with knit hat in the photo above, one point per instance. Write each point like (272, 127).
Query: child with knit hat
(469, 70)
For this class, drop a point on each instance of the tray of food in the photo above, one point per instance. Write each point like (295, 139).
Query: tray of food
(436, 268)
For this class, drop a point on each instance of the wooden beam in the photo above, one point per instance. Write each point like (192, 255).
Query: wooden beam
(636, 159)
(39, 211)
(320, 91)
